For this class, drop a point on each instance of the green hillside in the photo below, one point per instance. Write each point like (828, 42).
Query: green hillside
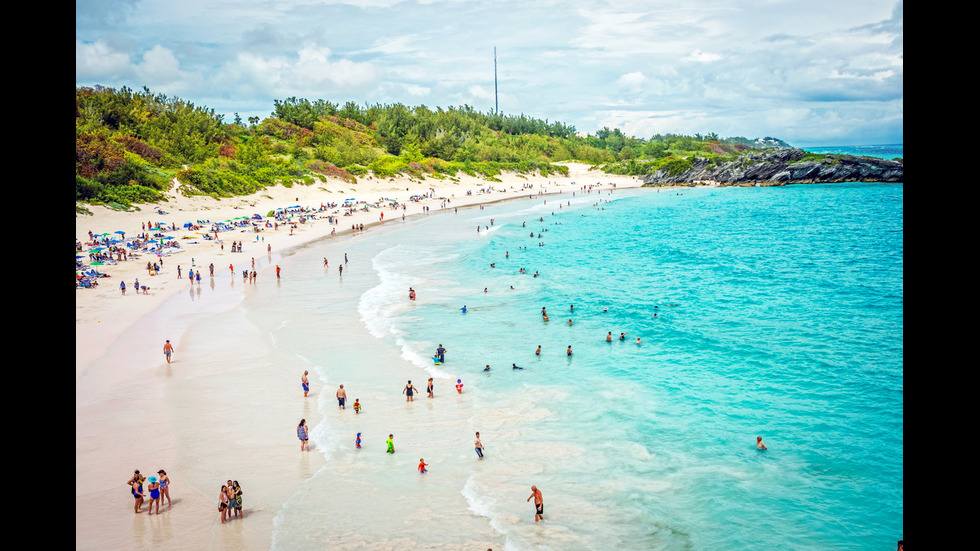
(130, 146)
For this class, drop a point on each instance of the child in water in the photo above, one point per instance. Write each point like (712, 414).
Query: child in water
(357, 406)
(459, 386)
(357, 441)
(422, 466)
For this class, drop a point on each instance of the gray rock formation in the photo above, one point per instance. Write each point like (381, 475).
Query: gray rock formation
(776, 167)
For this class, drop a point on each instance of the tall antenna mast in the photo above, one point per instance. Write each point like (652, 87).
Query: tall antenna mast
(496, 104)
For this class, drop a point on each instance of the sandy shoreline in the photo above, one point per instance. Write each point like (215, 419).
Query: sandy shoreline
(119, 339)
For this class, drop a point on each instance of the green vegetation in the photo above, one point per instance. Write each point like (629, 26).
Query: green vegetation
(131, 147)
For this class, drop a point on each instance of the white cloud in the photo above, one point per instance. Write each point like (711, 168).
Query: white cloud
(632, 81)
(97, 60)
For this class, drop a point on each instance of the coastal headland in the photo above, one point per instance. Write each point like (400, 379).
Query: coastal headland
(778, 167)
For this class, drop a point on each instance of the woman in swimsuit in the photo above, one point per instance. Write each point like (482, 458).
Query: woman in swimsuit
(429, 388)
(238, 501)
(408, 391)
(136, 486)
(223, 503)
(154, 488)
(164, 486)
(304, 438)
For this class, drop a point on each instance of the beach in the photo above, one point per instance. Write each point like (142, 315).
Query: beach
(133, 409)
(740, 312)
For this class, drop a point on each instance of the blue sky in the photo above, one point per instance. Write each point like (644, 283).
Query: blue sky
(810, 73)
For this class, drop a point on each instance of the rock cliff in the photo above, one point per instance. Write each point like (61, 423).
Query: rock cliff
(777, 167)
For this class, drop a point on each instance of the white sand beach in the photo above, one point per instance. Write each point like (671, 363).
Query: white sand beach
(123, 420)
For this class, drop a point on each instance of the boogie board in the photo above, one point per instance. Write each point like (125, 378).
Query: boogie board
(435, 360)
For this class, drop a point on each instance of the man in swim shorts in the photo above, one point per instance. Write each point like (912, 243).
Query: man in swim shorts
(168, 349)
(306, 383)
(341, 397)
(538, 503)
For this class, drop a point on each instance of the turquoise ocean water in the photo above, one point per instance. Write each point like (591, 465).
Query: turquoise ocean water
(762, 311)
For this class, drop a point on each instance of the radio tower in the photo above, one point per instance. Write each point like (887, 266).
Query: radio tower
(496, 105)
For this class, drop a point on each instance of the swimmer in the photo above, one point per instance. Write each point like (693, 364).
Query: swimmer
(463, 308)
(569, 351)
(546, 318)
(622, 336)
(569, 321)
(759, 444)
(538, 351)
(637, 340)
(487, 368)
(514, 366)
(609, 336)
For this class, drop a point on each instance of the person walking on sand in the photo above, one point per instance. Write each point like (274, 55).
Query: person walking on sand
(538, 503)
(479, 446)
(306, 383)
(409, 391)
(341, 397)
(168, 349)
(303, 435)
(164, 486)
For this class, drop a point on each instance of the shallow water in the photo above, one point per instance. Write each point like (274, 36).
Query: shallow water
(762, 311)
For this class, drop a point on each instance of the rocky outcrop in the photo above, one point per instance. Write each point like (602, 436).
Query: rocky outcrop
(777, 167)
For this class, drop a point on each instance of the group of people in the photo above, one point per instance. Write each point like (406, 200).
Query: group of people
(158, 487)
(230, 501)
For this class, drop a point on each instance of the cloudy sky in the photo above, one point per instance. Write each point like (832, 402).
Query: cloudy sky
(811, 73)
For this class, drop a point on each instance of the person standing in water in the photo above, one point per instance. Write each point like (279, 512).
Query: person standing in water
(759, 444)
(478, 446)
(391, 443)
(409, 391)
(303, 435)
(429, 388)
(306, 383)
(538, 351)
(538, 503)
(341, 397)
